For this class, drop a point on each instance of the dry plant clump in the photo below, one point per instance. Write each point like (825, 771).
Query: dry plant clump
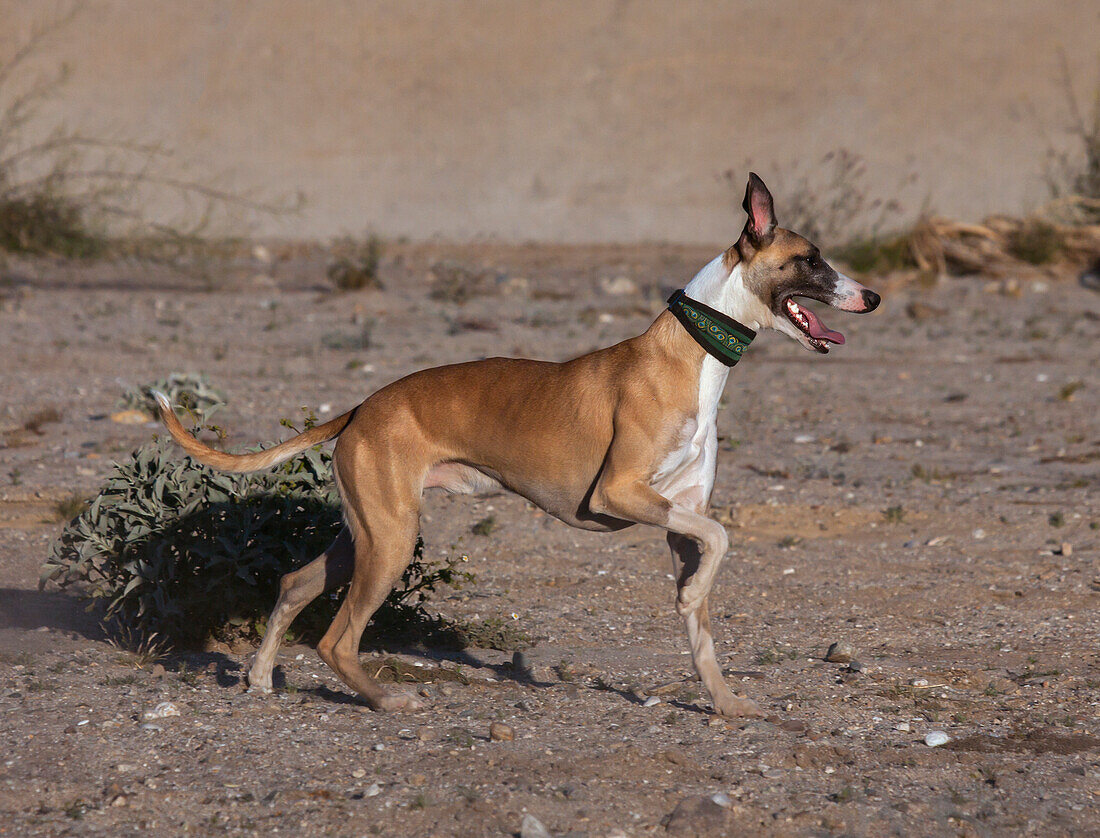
(66, 193)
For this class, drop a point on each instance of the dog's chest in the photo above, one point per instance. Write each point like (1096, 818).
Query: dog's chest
(687, 471)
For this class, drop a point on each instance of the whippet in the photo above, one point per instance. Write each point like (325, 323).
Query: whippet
(624, 435)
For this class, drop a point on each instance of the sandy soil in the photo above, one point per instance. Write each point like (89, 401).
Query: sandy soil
(971, 605)
(587, 120)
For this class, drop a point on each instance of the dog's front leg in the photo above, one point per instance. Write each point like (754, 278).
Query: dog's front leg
(633, 499)
(685, 558)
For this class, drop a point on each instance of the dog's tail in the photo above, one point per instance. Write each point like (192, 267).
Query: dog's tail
(241, 463)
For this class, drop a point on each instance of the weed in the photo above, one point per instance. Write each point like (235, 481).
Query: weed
(457, 283)
(1035, 242)
(485, 526)
(1075, 176)
(357, 341)
(1056, 519)
(1068, 392)
(421, 801)
(69, 507)
(894, 514)
(75, 809)
(789, 541)
(354, 263)
(36, 420)
(877, 255)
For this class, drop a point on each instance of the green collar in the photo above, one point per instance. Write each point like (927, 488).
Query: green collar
(721, 336)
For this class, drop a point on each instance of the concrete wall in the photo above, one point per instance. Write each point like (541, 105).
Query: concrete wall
(576, 121)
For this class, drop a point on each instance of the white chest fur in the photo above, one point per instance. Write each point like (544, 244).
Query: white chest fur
(686, 475)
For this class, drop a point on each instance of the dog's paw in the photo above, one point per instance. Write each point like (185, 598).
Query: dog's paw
(399, 701)
(259, 684)
(738, 708)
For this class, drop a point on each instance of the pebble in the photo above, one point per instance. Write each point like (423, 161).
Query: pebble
(855, 666)
(426, 734)
(620, 286)
(500, 732)
(152, 728)
(695, 816)
(902, 726)
(652, 701)
(532, 828)
(919, 682)
(359, 773)
(935, 738)
(373, 790)
(840, 652)
(161, 711)
(131, 417)
(722, 799)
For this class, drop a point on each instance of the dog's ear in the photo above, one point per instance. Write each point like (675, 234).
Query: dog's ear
(758, 204)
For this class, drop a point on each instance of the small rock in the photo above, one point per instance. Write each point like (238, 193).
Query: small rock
(426, 734)
(131, 417)
(840, 652)
(1066, 549)
(902, 726)
(935, 738)
(359, 773)
(261, 254)
(698, 817)
(152, 728)
(620, 286)
(500, 732)
(722, 799)
(158, 671)
(532, 828)
(652, 701)
(919, 682)
(163, 710)
(855, 666)
(373, 790)
(793, 725)
(528, 705)
(676, 757)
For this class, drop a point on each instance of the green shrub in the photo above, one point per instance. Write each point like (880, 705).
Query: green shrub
(175, 548)
(43, 223)
(1036, 242)
(877, 255)
(354, 263)
(188, 390)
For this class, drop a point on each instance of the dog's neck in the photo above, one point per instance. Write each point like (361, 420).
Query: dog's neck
(725, 291)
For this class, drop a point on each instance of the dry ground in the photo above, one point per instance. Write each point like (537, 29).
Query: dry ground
(927, 493)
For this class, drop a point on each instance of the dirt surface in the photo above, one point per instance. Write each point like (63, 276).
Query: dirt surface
(581, 120)
(927, 493)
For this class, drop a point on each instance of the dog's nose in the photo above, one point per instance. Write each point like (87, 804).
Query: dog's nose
(870, 300)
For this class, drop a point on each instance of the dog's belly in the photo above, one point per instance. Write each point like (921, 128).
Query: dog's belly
(462, 479)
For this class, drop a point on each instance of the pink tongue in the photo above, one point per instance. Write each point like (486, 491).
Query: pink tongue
(818, 330)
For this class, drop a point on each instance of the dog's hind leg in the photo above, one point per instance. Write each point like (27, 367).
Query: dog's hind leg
(382, 552)
(685, 561)
(297, 590)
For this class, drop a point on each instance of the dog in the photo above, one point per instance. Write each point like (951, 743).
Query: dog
(621, 436)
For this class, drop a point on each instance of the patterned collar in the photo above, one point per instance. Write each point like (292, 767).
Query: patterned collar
(721, 336)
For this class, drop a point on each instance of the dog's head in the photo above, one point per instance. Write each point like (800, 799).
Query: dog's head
(777, 265)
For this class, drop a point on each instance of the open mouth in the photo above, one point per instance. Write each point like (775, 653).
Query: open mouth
(811, 326)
